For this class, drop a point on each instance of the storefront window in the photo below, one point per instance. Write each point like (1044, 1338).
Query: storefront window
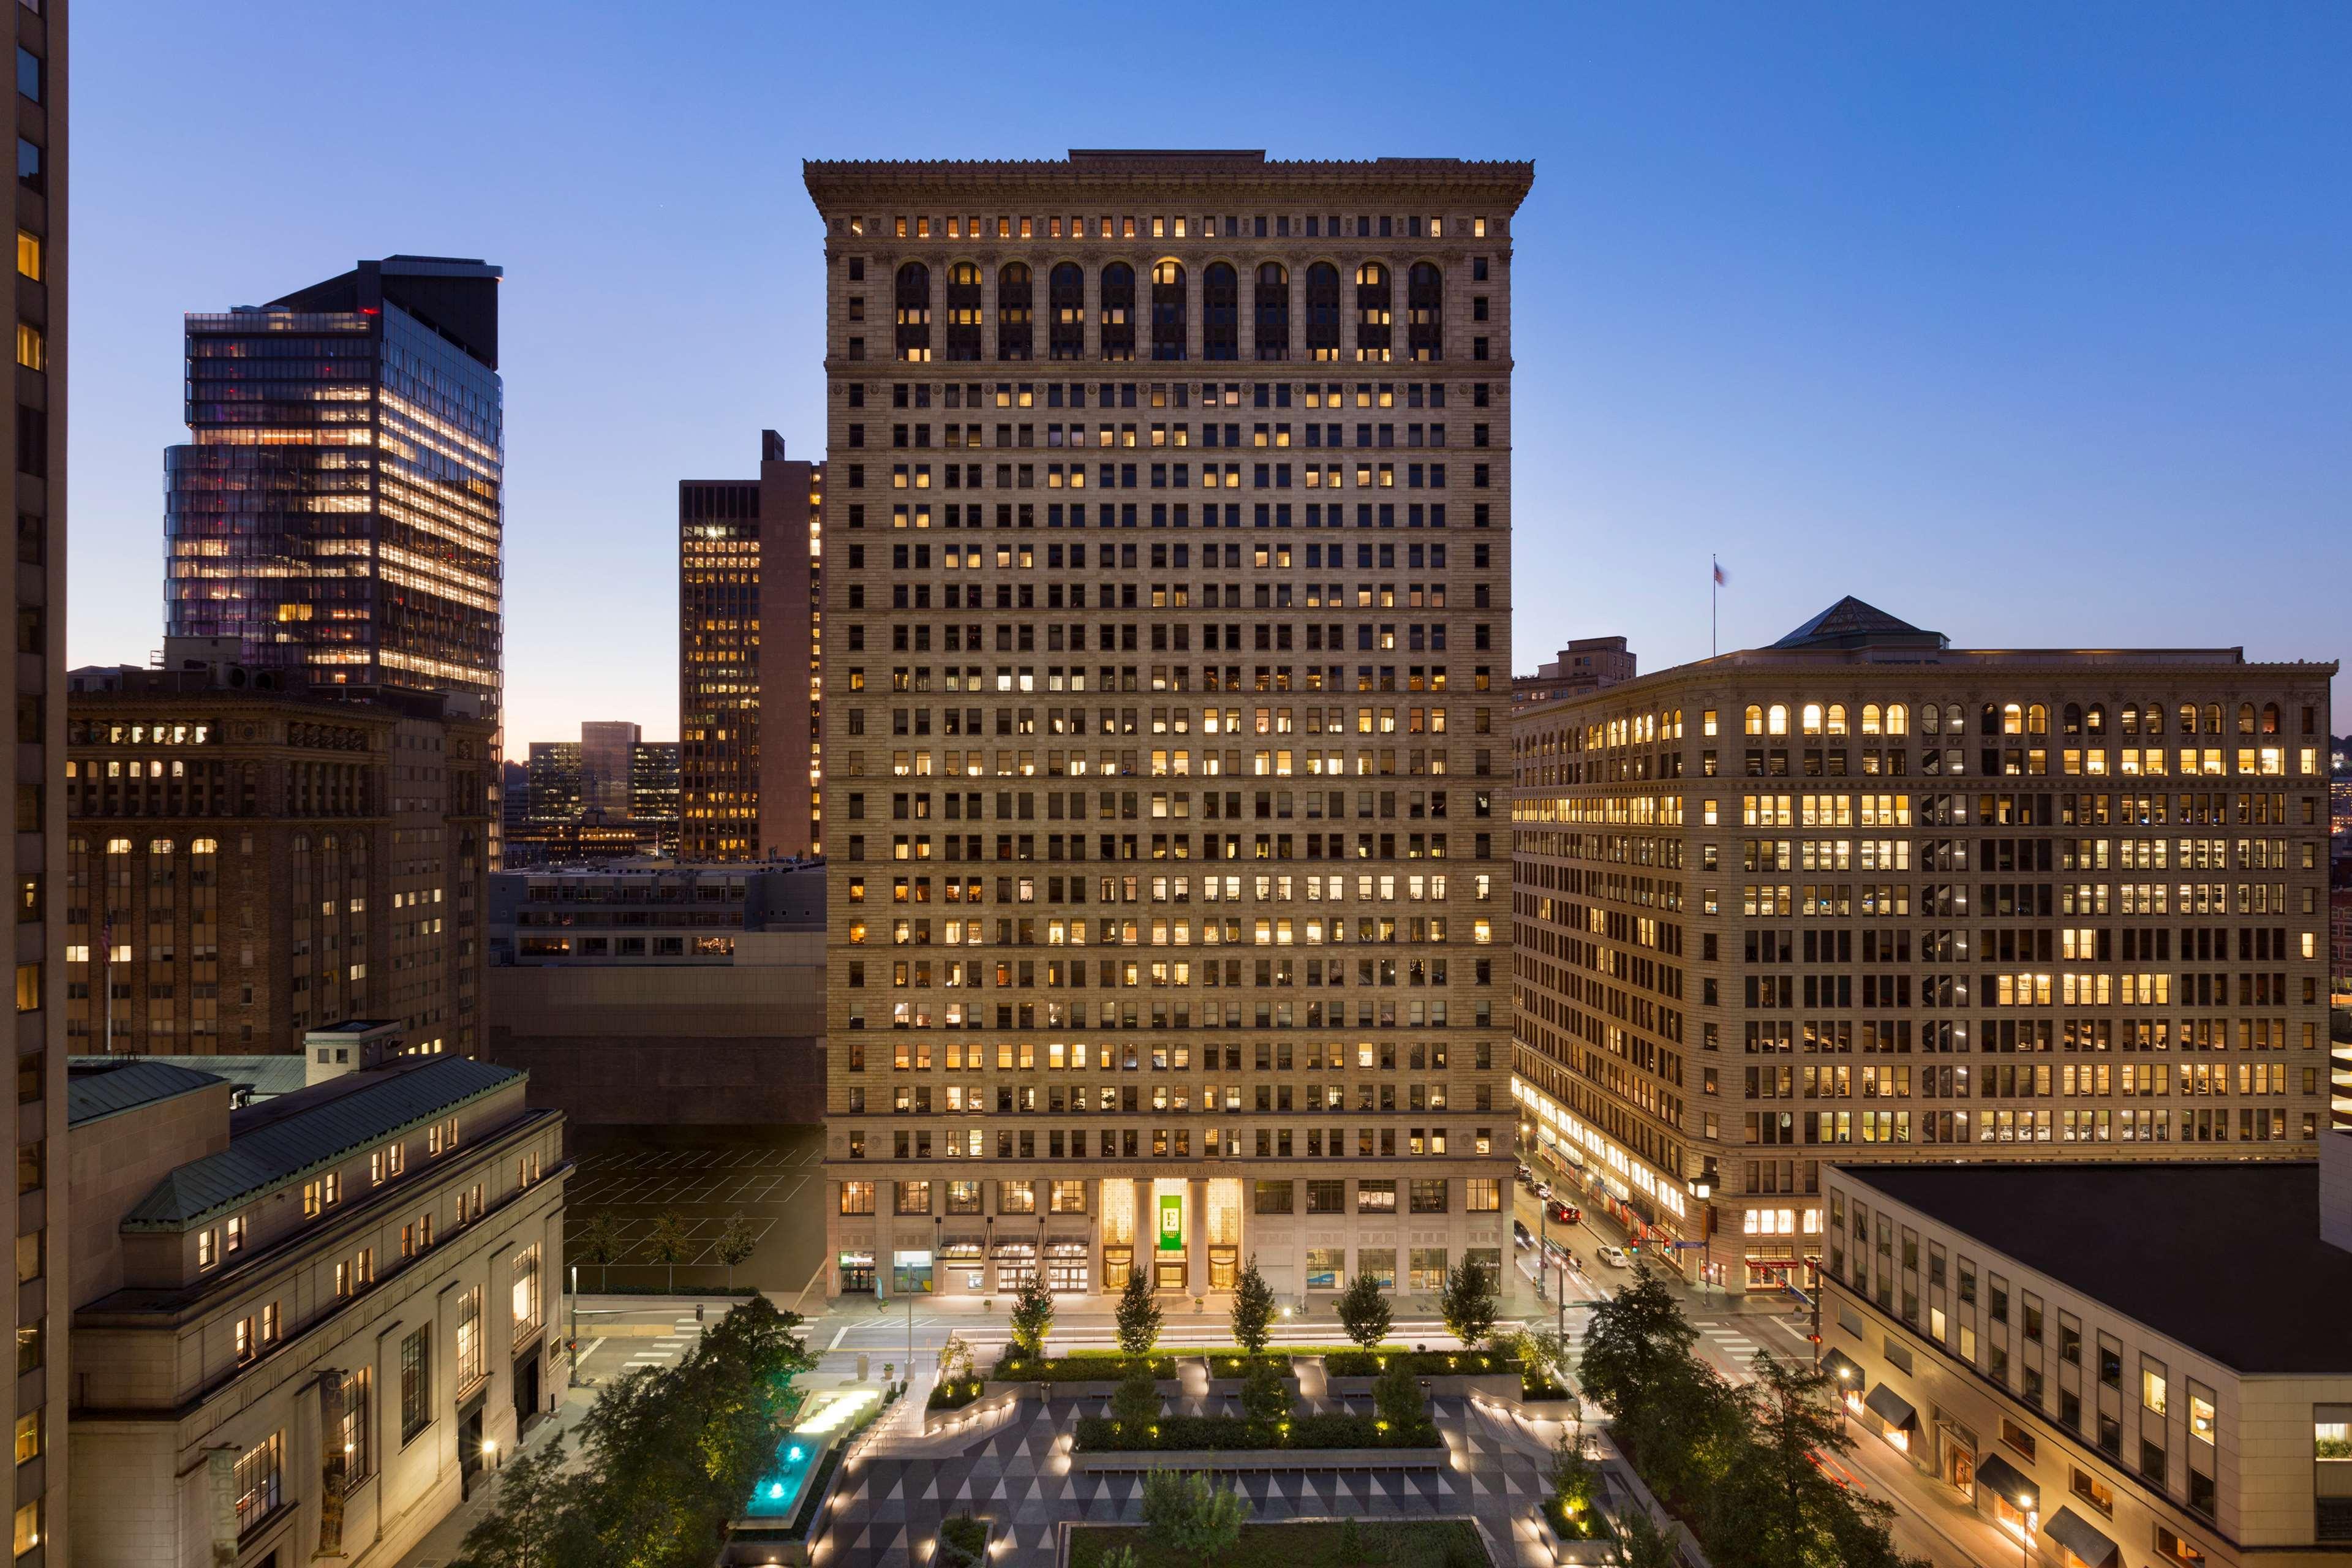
(1428, 1269)
(910, 1272)
(1380, 1262)
(1324, 1266)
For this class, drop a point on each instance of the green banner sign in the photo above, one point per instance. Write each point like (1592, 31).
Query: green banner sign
(1172, 1222)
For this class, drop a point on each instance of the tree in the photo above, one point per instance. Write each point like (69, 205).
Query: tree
(1541, 1352)
(1136, 1406)
(1363, 1310)
(1138, 1315)
(1773, 1507)
(1642, 1545)
(735, 1244)
(533, 1525)
(1573, 1478)
(1396, 1395)
(669, 1242)
(1193, 1514)
(599, 1242)
(1252, 1314)
(1467, 1303)
(1033, 1315)
(1638, 1343)
(956, 1360)
(1266, 1391)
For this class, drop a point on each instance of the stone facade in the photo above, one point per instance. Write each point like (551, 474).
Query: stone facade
(1871, 897)
(1167, 620)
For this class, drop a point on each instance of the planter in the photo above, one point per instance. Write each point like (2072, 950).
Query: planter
(1224, 1461)
(946, 1553)
(1453, 1386)
(996, 1398)
(1597, 1549)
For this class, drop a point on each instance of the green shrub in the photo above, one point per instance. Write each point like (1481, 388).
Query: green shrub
(1078, 1366)
(954, 1395)
(1421, 1364)
(1100, 1435)
(963, 1542)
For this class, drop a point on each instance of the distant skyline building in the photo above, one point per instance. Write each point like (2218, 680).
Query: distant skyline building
(554, 790)
(653, 790)
(338, 507)
(605, 746)
(1588, 664)
(750, 767)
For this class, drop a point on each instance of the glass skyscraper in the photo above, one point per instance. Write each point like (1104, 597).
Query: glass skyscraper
(339, 509)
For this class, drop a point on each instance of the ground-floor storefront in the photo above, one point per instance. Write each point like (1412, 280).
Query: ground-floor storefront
(908, 1233)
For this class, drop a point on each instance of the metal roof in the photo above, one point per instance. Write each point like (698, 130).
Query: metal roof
(263, 1077)
(302, 1138)
(99, 1091)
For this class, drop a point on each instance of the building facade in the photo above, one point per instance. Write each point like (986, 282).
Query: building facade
(338, 508)
(653, 791)
(305, 1328)
(555, 789)
(248, 859)
(1862, 896)
(606, 765)
(36, 480)
(2112, 1363)
(750, 766)
(1167, 667)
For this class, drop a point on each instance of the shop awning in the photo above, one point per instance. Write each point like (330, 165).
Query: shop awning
(1891, 1407)
(2076, 1534)
(1845, 1372)
(1995, 1474)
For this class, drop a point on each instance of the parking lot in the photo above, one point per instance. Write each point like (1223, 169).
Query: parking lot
(769, 1175)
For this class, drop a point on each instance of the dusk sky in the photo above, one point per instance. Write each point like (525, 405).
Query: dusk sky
(2027, 323)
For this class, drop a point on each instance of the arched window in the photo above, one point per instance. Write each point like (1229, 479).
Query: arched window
(963, 311)
(2270, 719)
(1118, 311)
(1775, 720)
(159, 846)
(1931, 720)
(1221, 312)
(1755, 720)
(1955, 722)
(2153, 720)
(914, 311)
(2070, 718)
(1374, 309)
(2012, 719)
(1065, 300)
(1273, 311)
(1016, 329)
(1898, 718)
(2245, 718)
(2094, 722)
(1424, 303)
(2189, 718)
(1809, 717)
(1870, 719)
(1837, 719)
(2212, 718)
(1167, 310)
(1323, 312)
(2037, 720)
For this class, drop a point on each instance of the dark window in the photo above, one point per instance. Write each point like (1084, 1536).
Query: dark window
(1066, 298)
(1221, 312)
(32, 441)
(914, 301)
(28, 166)
(1323, 312)
(1118, 311)
(29, 74)
(1015, 331)
(1274, 1197)
(1327, 1197)
(1167, 311)
(963, 311)
(1425, 312)
(1273, 311)
(415, 1383)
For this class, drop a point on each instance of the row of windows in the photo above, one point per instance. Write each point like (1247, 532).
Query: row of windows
(1333, 395)
(1423, 1196)
(1318, 226)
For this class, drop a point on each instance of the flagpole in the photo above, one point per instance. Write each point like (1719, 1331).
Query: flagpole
(1714, 583)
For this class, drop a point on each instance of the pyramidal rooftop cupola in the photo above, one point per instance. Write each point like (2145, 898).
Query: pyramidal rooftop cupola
(1850, 623)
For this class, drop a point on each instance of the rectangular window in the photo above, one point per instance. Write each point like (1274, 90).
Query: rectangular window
(1482, 1194)
(471, 1361)
(28, 1436)
(32, 349)
(858, 1197)
(260, 1474)
(28, 254)
(359, 1400)
(1275, 1197)
(1429, 1195)
(28, 166)
(29, 74)
(525, 1298)
(415, 1383)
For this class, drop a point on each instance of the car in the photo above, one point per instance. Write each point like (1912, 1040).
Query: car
(1564, 1214)
(1615, 1257)
(1525, 1174)
(1543, 1189)
(1521, 1234)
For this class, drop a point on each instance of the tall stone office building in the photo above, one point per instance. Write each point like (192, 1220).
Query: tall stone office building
(1862, 897)
(1167, 688)
(36, 484)
(750, 762)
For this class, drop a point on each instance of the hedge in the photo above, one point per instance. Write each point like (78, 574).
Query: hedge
(1101, 1434)
(1078, 1366)
(954, 1395)
(1421, 1364)
(963, 1542)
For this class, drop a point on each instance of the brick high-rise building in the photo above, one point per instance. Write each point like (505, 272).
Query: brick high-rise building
(1167, 679)
(36, 482)
(249, 859)
(1861, 895)
(748, 761)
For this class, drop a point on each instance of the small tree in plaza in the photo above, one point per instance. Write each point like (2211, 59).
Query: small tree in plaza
(1396, 1395)
(1253, 1315)
(1193, 1514)
(1136, 1406)
(735, 1244)
(1265, 1393)
(1467, 1303)
(1138, 1315)
(1033, 1315)
(1363, 1310)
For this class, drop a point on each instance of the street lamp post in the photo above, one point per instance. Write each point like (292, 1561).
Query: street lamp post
(1845, 1413)
(2025, 1529)
(1702, 1189)
(1543, 1245)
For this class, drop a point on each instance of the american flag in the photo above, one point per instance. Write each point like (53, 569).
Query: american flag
(1719, 578)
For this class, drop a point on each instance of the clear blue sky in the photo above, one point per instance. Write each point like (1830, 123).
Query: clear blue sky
(2026, 323)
